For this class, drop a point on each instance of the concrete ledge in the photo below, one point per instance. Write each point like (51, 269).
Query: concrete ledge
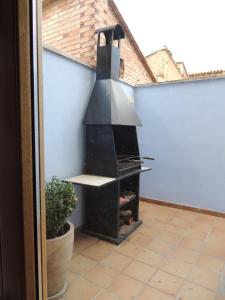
(179, 81)
(65, 55)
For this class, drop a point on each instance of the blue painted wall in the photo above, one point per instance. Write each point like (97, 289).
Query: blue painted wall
(67, 86)
(184, 128)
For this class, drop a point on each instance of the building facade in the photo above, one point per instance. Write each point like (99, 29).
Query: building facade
(164, 66)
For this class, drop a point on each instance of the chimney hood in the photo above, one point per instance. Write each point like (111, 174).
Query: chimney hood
(108, 104)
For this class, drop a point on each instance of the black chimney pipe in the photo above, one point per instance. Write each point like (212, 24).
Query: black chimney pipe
(108, 55)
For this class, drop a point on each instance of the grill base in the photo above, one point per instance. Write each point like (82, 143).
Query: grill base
(125, 231)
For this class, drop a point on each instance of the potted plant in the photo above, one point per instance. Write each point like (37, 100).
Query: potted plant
(60, 203)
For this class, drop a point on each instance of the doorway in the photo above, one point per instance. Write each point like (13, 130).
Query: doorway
(20, 205)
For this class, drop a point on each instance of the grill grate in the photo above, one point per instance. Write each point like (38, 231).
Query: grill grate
(125, 163)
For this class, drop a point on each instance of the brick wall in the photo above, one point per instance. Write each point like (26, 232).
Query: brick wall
(69, 26)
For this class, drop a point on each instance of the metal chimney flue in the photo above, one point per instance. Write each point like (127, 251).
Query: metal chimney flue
(108, 55)
(108, 103)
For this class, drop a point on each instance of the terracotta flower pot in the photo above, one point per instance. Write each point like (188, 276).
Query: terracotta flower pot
(59, 254)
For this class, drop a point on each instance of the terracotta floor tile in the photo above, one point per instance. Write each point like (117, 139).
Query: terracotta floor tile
(219, 220)
(129, 249)
(149, 293)
(106, 296)
(188, 215)
(218, 231)
(116, 261)
(80, 264)
(165, 282)
(80, 290)
(149, 231)
(155, 223)
(210, 263)
(147, 216)
(212, 240)
(207, 218)
(159, 247)
(169, 237)
(82, 241)
(165, 217)
(214, 247)
(191, 291)
(141, 240)
(96, 252)
(149, 257)
(186, 255)
(221, 289)
(139, 271)
(146, 204)
(205, 278)
(179, 221)
(202, 226)
(175, 267)
(125, 287)
(101, 276)
(175, 229)
(71, 277)
(174, 251)
(194, 234)
(106, 245)
(191, 244)
(80, 236)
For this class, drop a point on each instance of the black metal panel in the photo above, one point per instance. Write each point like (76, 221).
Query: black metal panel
(108, 62)
(100, 151)
(102, 210)
(121, 236)
(108, 56)
(99, 108)
(126, 140)
(116, 30)
(110, 106)
(122, 111)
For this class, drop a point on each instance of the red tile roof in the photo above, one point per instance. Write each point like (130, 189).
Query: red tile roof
(208, 74)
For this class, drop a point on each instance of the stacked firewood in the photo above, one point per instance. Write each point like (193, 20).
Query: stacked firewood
(123, 200)
(126, 217)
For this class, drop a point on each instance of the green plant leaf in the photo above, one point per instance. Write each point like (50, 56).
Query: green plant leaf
(61, 200)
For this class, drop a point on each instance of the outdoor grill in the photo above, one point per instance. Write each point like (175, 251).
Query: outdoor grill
(113, 164)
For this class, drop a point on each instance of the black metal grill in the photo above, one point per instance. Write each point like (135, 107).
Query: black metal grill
(111, 148)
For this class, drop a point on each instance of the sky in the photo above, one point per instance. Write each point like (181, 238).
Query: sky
(193, 30)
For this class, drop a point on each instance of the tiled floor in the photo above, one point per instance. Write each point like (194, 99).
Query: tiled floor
(175, 254)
